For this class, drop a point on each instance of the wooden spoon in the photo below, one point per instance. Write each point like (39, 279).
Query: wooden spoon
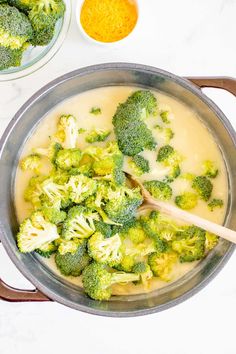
(171, 210)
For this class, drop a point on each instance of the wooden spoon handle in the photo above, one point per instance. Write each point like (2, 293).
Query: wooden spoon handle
(210, 226)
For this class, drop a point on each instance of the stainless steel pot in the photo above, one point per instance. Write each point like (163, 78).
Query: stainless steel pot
(48, 285)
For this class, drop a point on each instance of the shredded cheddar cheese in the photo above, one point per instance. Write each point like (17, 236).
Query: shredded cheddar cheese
(108, 20)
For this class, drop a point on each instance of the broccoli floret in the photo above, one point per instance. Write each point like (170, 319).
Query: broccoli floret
(79, 223)
(108, 161)
(15, 27)
(146, 100)
(54, 214)
(103, 228)
(144, 270)
(73, 263)
(43, 16)
(203, 186)
(34, 191)
(97, 135)
(168, 156)
(67, 132)
(47, 249)
(50, 152)
(10, 57)
(68, 158)
(97, 281)
(122, 203)
(186, 200)
(81, 187)
(67, 246)
(105, 250)
(23, 5)
(209, 169)
(131, 131)
(165, 117)
(54, 193)
(35, 232)
(139, 165)
(215, 203)
(158, 189)
(95, 111)
(211, 241)
(162, 264)
(127, 263)
(31, 163)
(190, 244)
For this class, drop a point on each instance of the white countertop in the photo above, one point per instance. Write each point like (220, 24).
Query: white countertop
(186, 37)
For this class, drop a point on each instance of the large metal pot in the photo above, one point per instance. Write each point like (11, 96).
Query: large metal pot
(50, 286)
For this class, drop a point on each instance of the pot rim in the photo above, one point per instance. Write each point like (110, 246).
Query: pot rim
(82, 72)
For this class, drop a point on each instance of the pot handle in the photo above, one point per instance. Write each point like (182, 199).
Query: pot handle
(225, 83)
(11, 294)
(8, 293)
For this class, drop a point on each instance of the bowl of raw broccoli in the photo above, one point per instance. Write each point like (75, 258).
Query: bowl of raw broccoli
(85, 215)
(31, 33)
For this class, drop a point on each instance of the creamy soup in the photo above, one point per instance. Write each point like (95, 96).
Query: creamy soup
(192, 139)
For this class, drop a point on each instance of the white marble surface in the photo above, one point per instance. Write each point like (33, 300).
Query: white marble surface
(186, 37)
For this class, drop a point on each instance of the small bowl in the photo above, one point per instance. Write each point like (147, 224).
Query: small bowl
(36, 57)
(104, 44)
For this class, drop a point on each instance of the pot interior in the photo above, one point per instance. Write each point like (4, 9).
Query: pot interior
(26, 121)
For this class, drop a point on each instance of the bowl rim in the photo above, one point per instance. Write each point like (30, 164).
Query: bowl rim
(43, 59)
(82, 72)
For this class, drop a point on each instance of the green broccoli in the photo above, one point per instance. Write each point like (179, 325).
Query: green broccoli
(81, 187)
(209, 169)
(73, 263)
(190, 244)
(144, 270)
(43, 16)
(139, 165)
(168, 156)
(215, 203)
(15, 27)
(186, 200)
(67, 246)
(79, 223)
(97, 281)
(135, 232)
(165, 117)
(35, 232)
(10, 57)
(203, 186)
(53, 193)
(54, 214)
(211, 241)
(50, 152)
(33, 192)
(103, 228)
(31, 163)
(67, 131)
(108, 161)
(158, 189)
(68, 158)
(162, 264)
(47, 249)
(131, 131)
(173, 174)
(97, 135)
(23, 5)
(122, 203)
(145, 99)
(105, 250)
(95, 111)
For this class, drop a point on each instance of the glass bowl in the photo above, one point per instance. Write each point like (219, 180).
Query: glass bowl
(36, 57)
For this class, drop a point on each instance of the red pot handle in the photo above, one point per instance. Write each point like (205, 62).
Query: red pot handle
(9, 293)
